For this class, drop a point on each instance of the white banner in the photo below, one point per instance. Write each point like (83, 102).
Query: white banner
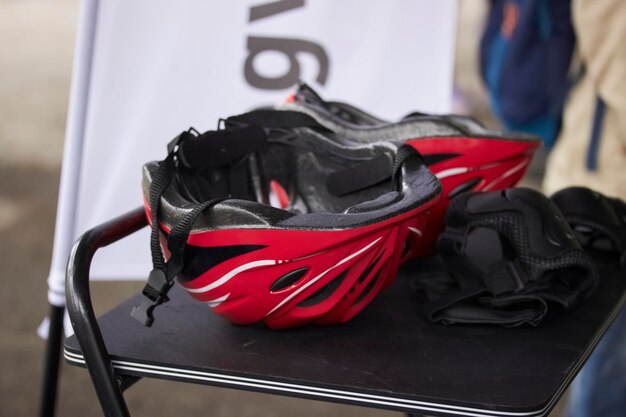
(159, 67)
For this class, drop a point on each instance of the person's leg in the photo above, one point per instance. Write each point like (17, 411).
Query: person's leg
(599, 390)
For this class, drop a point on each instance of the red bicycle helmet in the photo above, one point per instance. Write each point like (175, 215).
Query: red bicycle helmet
(321, 260)
(457, 149)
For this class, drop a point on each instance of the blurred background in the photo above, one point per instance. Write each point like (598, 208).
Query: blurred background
(36, 49)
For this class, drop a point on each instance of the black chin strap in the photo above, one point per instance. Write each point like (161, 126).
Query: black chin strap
(162, 276)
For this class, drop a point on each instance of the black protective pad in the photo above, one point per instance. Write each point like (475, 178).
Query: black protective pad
(387, 357)
(533, 262)
(599, 221)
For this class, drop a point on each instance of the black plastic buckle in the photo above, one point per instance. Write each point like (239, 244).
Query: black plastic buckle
(178, 140)
(153, 294)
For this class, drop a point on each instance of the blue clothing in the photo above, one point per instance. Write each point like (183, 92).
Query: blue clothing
(599, 390)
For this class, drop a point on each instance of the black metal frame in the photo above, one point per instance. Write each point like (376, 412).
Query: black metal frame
(52, 362)
(108, 385)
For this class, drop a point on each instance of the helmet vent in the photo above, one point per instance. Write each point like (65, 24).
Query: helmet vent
(288, 279)
(435, 158)
(466, 186)
(368, 289)
(367, 271)
(199, 259)
(324, 292)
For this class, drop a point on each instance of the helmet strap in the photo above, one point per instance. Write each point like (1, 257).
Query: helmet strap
(161, 278)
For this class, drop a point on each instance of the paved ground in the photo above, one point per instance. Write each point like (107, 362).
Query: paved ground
(36, 43)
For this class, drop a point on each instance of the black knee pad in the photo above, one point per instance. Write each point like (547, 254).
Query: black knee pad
(599, 222)
(509, 254)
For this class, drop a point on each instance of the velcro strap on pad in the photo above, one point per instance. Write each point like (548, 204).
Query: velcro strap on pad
(441, 301)
(274, 119)
(504, 277)
(359, 176)
(223, 147)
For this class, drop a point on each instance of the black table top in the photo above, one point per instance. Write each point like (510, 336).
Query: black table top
(387, 357)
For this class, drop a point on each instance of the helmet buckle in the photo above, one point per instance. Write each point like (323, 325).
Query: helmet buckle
(153, 294)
